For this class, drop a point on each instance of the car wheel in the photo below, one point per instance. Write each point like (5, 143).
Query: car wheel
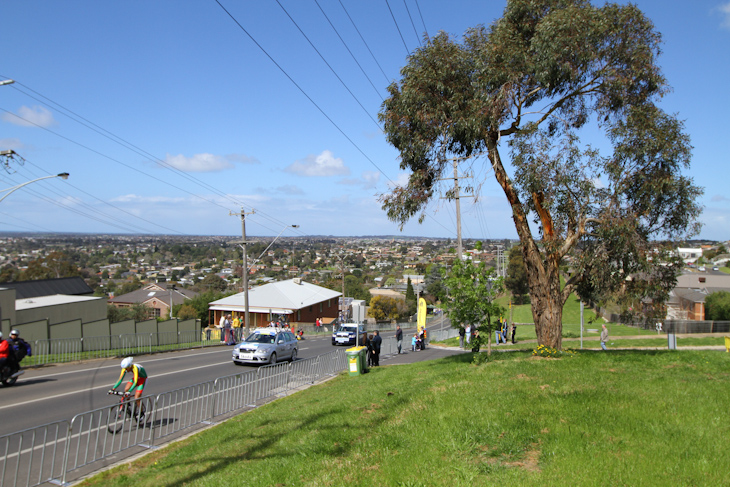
(272, 359)
(293, 355)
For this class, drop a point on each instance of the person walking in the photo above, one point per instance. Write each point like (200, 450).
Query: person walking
(399, 337)
(604, 337)
(376, 342)
(514, 329)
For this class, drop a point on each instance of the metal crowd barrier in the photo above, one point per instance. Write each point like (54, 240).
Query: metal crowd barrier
(48, 453)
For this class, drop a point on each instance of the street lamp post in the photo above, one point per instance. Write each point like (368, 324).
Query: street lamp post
(8, 191)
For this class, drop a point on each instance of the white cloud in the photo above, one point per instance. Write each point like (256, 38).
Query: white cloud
(368, 180)
(724, 10)
(198, 163)
(401, 180)
(718, 198)
(11, 144)
(325, 164)
(31, 117)
(135, 198)
(242, 158)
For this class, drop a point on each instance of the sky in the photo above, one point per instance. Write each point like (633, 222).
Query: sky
(173, 117)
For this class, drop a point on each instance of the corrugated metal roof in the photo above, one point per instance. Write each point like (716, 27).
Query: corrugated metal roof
(42, 301)
(73, 286)
(292, 294)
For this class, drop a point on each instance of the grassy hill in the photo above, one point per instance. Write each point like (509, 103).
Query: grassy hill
(591, 418)
(571, 312)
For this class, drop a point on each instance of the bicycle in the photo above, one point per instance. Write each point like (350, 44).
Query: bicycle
(126, 409)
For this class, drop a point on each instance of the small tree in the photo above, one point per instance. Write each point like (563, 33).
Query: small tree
(717, 306)
(472, 289)
(516, 281)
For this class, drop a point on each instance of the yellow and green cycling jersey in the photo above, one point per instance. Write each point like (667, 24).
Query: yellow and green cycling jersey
(139, 377)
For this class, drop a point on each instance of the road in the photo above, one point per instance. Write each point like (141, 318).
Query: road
(57, 392)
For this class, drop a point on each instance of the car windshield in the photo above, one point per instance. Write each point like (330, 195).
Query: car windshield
(348, 329)
(260, 338)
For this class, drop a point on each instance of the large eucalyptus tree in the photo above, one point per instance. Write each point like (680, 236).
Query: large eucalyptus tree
(542, 82)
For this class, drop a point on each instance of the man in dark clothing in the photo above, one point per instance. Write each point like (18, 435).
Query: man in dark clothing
(376, 342)
(399, 337)
(462, 334)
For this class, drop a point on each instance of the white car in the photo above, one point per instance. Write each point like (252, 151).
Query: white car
(266, 346)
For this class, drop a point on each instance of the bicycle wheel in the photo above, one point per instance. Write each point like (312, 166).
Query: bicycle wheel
(115, 421)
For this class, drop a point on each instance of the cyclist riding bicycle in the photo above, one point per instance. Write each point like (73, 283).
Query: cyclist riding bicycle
(135, 384)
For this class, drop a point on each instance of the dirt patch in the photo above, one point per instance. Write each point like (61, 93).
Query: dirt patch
(530, 461)
(521, 376)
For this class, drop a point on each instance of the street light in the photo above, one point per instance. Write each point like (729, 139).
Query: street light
(272, 243)
(246, 267)
(8, 191)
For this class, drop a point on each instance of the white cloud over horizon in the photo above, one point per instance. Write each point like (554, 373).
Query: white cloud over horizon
(322, 165)
(199, 162)
(35, 116)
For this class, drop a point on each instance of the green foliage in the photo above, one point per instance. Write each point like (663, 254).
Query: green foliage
(717, 306)
(136, 312)
(200, 304)
(384, 308)
(516, 281)
(535, 82)
(212, 282)
(472, 290)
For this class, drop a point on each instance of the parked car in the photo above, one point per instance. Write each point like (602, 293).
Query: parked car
(345, 334)
(702, 269)
(715, 268)
(266, 346)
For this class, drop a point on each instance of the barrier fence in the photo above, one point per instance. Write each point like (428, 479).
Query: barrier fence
(51, 453)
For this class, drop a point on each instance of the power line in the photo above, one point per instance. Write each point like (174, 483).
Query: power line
(408, 51)
(387, 80)
(412, 23)
(348, 50)
(328, 65)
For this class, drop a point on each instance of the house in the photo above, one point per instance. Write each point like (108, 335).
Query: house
(687, 299)
(689, 255)
(154, 296)
(298, 301)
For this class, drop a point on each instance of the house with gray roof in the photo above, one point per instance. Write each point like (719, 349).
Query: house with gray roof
(154, 296)
(297, 300)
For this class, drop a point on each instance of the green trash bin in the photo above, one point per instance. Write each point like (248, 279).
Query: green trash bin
(354, 360)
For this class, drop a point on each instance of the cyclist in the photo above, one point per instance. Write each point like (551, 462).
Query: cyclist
(136, 383)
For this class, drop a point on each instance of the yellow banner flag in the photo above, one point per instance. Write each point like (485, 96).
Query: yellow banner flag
(421, 314)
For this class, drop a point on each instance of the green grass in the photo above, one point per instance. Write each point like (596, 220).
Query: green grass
(654, 418)
(522, 313)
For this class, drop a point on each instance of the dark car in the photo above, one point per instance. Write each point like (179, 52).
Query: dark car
(345, 334)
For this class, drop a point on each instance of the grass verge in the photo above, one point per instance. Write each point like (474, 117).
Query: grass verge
(593, 418)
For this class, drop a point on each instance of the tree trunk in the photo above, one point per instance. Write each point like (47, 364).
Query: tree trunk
(547, 303)
(543, 275)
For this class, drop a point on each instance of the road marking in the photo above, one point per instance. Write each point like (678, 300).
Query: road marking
(117, 366)
(105, 386)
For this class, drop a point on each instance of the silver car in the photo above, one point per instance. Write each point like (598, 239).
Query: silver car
(266, 346)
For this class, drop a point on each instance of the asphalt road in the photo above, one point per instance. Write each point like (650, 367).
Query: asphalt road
(57, 392)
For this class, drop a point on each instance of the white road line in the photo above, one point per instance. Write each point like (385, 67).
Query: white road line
(106, 386)
(116, 366)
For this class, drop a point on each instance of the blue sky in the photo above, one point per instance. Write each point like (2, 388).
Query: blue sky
(169, 117)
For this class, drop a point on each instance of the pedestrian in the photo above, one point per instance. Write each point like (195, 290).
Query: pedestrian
(468, 334)
(514, 329)
(376, 342)
(414, 343)
(228, 331)
(604, 337)
(422, 338)
(369, 345)
(222, 327)
(399, 337)
(462, 334)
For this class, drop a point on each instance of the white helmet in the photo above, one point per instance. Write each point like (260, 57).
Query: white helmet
(14, 332)
(127, 362)
(1, 334)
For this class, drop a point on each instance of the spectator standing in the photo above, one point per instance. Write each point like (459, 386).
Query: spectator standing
(377, 342)
(514, 329)
(369, 345)
(468, 334)
(399, 337)
(222, 327)
(462, 334)
(414, 342)
(604, 337)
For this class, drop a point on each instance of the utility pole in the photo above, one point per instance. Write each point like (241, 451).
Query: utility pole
(457, 196)
(245, 265)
